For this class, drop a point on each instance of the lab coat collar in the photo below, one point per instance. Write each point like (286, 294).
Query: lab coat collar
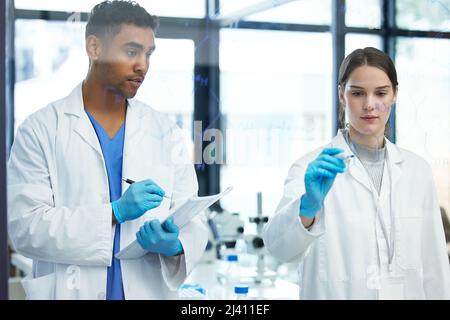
(133, 123)
(74, 105)
(395, 159)
(358, 171)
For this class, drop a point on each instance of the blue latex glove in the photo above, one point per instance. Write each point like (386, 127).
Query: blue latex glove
(160, 238)
(138, 199)
(319, 178)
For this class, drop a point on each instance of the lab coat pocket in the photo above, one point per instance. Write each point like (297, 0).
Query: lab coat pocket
(409, 242)
(41, 288)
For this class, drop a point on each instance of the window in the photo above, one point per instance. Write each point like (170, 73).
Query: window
(423, 14)
(365, 13)
(174, 8)
(66, 6)
(355, 41)
(276, 100)
(169, 85)
(230, 6)
(51, 61)
(423, 114)
(297, 12)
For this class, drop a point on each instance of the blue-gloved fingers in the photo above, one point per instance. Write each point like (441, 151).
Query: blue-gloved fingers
(154, 189)
(154, 205)
(154, 197)
(323, 173)
(139, 238)
(336, 161)
(143, 230)
(322, 164)
(171, 227)
(148, 182)
(140, 184)
(178, 248)
(332, 151)
(156, 227)
(147, 228)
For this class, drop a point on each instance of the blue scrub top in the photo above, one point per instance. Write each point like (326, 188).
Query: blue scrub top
(113, 154)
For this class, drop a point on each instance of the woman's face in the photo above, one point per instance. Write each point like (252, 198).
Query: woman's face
(368, 97)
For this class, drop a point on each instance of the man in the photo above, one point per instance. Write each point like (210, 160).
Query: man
(69, 209)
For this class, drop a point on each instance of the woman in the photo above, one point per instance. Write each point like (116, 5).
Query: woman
(368, 228)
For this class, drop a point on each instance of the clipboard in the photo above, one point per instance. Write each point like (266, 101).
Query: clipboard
(181, 215)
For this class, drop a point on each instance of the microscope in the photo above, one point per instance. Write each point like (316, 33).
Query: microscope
(255, 245)
(225, 229)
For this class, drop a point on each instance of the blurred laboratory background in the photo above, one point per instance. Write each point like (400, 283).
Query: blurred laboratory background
(262, 72)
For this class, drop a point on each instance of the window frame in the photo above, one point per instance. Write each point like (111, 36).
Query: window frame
(206, 104)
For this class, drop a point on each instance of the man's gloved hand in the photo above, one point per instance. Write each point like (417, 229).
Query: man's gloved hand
(160, 238)
(319, 178)
(138, 199)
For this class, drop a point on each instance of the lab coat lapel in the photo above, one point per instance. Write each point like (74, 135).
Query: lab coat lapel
(395, 159)
(133, 124)
(356, 170)
(385, 185)
(74, 106)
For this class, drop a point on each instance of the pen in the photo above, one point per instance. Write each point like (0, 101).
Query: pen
(129, 181)
(342, 157)
(346, 158)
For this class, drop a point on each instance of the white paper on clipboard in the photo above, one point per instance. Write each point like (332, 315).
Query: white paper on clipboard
(181, 215)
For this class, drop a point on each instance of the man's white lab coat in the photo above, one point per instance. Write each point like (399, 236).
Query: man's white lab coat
(59, 208)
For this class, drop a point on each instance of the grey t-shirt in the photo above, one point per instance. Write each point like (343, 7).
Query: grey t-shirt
(372, 160)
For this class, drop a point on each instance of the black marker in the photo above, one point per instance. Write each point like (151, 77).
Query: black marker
(129, 181)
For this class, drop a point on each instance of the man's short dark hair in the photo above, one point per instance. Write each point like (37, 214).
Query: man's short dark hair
(107, 17)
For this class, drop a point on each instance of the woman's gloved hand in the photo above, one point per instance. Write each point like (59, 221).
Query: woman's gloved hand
(319, 178)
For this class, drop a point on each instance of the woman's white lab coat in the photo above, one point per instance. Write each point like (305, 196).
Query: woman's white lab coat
(345, 253)
(59, 206)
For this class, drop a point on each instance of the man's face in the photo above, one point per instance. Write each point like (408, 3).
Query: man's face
(124, 59)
